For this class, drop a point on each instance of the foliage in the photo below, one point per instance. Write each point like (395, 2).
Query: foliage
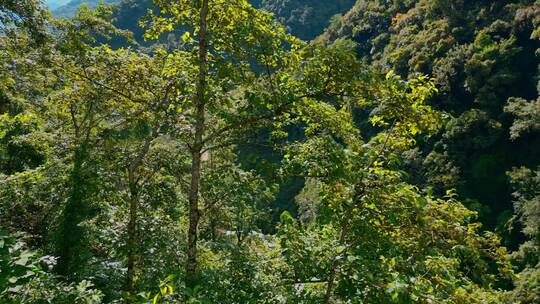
(304, 19)
(363, 244)
(526, 184)
(483, 57)
(527, 113)
(24, 278)
(29, 16)
(19, 152)
(126, 166)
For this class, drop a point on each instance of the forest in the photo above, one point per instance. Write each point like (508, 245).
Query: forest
(270, 151)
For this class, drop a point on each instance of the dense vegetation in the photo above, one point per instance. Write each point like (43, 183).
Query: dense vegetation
(228, 161)
(303, 18)
(484, 57)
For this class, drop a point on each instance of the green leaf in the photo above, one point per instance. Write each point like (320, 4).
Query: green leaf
(186, 36)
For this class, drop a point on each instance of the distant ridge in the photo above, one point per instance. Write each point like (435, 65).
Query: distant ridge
(54, 4)
(71, 7)
(305, 19)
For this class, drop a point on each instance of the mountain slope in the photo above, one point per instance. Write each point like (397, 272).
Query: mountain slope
(71, 7)
(54, 4)
(483, 54)
(303, 18)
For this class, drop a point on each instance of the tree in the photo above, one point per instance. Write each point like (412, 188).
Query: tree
(80, 110)
(375, 238)
(483, 57)
(132, 172)
(25, 278)
(526, 184)
(235, 52)
(27, 15)
(140, 95)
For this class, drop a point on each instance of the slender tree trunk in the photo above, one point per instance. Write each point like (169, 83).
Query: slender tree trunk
(196, 152)
(70, 246)
(131, 232)
(133, 182)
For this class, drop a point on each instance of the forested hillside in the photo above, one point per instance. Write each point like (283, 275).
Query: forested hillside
(303, 18)
(70, 8)
(208, 152)
(483, 55)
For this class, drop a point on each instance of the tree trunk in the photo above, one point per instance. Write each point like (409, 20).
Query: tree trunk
(196, 152)
(132, 231)
(133, 182)
(71, 240)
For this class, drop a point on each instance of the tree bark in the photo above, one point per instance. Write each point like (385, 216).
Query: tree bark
(133, 182)
(71, 243)
(132, 231)
(196, 151)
